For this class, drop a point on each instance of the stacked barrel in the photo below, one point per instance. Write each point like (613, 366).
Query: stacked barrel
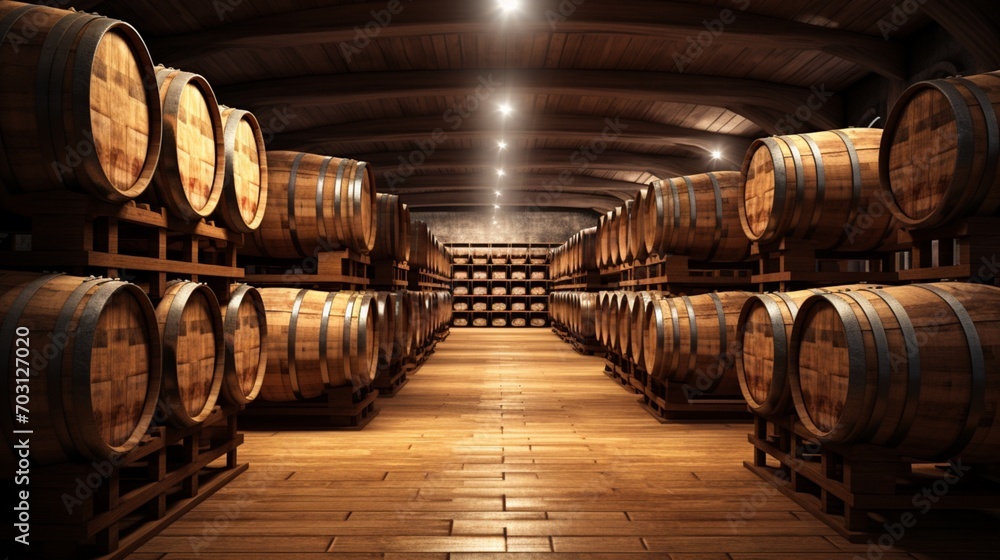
(427, 251)
(88, 116)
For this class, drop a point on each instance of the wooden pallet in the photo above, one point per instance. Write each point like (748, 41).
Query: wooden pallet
(388, 275)
(682, 275)
(419, 357)
(329, 270)
(109, 509)
(343, 408)
(966, 251)
(619, 370)
(796, 265)
(136, 242)
(858, 490)
(579, 282)
(667, 401)
(423, 280)
(389, 380)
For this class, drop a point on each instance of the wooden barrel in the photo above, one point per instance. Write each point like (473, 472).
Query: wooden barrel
(392, 231)
(385, 319)
(80, 108)
(315, 203)
(654, 219)
(626, 307)
(604, 240)
(318, 341)
(913, 368)
(192, 170)
(692, 340)
(940, 151)
(93, 352)
(602, 328)
(361, 339)
(698, 217)
(245, 328)
(615, 257)
(639, 320)
(194, 357)
(763, 331)
(244, 191)
(624, 233)
(637, 223)
(821, 187)
(403, 342)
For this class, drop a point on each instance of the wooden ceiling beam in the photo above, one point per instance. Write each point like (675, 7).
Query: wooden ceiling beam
(764, 103)
(682, 22)
(429, 133)
(486, 184)
(973, 23)
(552, 159)
(523, 201)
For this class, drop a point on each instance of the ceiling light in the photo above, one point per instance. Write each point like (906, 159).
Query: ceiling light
(498, 193)
(506, 109)
(503, 145)
(497, 206)
(509, 6)
(716, 154)
(500, 172)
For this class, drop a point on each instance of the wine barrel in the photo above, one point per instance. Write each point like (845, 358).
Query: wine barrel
(763, 332)
(624, 233)
(604, 240)
(194, 357)
(940, 151)
(821, 187)
(389, 236)
(244, 191)
(912, 368)
(318, 341)
(245, 328)
(315, 203)
(192, 170)
(80, 108)
(698, 217)
(654, 219)
(402, 341)
(692, 340)
(637, 223)
(626, 307)
(94, 355)
(641, 312)
(385, 319)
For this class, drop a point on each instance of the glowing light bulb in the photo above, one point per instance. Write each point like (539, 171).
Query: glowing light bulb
(716, 154)
(502, 144)
(509, 6)
(506, 109)
(500, 172)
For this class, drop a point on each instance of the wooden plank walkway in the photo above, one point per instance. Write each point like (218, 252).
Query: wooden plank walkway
(509, 445)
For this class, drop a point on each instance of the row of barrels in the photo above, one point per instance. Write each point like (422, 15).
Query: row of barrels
(134, 131)
(577, 311)
(392, 235)
(427, 251)
(101, 363)
(327, 340)
(848, 190)
(579, 254)
(912, 368)
(86, 109)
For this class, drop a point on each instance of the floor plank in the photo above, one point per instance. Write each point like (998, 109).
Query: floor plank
(507, 445)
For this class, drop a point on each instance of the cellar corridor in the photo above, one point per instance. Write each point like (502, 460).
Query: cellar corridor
(508, 444)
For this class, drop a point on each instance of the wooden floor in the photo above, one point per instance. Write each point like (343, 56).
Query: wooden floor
(508, 445)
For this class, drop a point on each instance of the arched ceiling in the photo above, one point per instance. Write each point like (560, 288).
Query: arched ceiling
(607, 95)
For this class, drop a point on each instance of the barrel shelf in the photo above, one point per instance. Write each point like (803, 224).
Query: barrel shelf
(167, 475)
(328, 271)
(340, 408)
(855, 489)
(967, 250)
(794, 265)
(680, 273)
(141, 242)
(490, 269)
(389, 275)
(667, 401)
(390, 379)
(425, 280)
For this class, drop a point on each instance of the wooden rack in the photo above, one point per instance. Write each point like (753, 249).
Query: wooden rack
(139, 495)
(345, 408)
(855, 489)
(795, 265)
(388, 275)
(329, 271)
(135, 242)
(499, 261)
(680, 274)
(966, 251)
